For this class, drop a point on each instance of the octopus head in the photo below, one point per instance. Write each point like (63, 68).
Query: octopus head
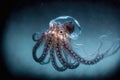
(60, 30)
(66, 26)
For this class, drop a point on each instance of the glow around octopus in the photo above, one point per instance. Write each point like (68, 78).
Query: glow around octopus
(57, 42)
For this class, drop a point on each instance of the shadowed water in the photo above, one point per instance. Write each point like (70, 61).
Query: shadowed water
(96, 19)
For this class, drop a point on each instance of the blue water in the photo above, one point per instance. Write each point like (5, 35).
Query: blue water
(95, 20)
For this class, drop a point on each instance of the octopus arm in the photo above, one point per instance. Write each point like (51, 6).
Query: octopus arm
(59, 54)
(63, 61)
(39, 43)
(72, 65)
(82, 60)
(37, 36)
(52, 56)
(45, 51)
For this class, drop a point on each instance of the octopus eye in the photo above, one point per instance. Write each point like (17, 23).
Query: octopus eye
(61, 32)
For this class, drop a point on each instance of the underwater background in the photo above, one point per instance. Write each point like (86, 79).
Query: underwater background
(97, 18)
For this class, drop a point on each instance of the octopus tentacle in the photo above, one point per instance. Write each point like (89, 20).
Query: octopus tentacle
(45, 51)
(42, 63)
(59, 55)
(39, 43)
(72, 65)
(62, 60)
(37, 36)
(52, 56)
(82, 60)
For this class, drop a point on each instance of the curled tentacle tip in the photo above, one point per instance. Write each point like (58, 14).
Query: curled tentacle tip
(36, 36)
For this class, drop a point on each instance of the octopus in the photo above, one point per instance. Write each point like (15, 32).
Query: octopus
(56, 42)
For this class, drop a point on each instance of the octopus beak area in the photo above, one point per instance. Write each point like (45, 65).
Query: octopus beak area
(69, 27)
